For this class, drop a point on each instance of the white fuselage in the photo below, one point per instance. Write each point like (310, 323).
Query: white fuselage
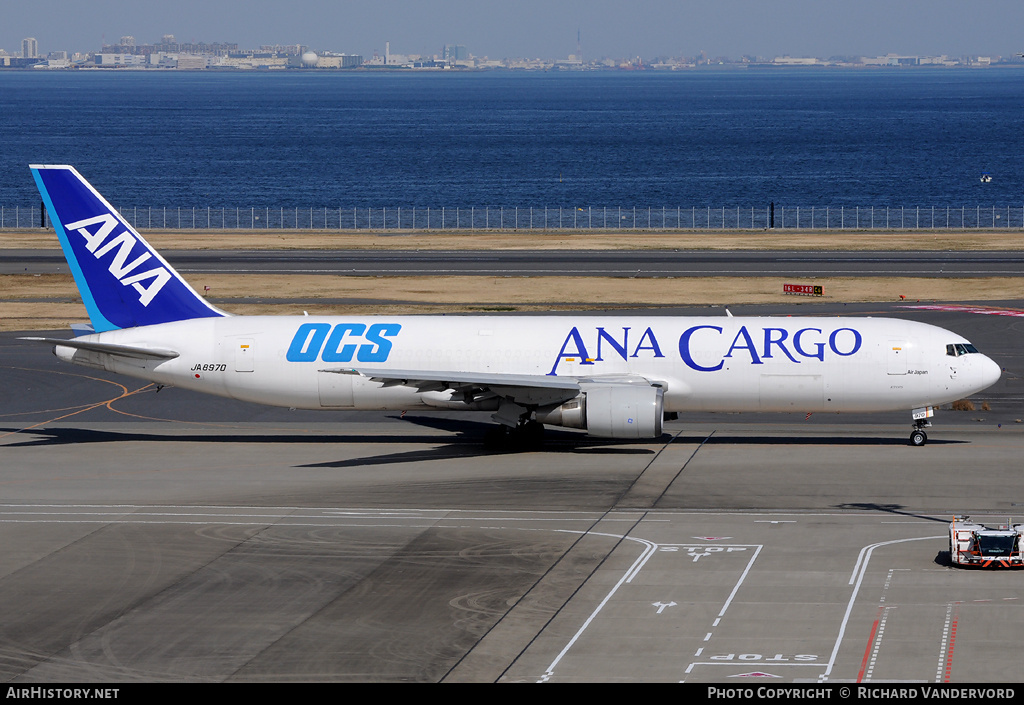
(702, 363)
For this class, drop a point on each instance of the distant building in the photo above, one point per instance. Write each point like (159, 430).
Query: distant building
(29, 48)
(191, 62)
(454, 53)
(573, 62)
(339, 61)
(795, 61)
(57, 60)
(115, 60)
(891, 60)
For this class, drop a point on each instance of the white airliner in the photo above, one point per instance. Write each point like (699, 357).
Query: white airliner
(614, 376)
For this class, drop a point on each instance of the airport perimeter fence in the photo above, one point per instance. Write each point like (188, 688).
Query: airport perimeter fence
(518, 218)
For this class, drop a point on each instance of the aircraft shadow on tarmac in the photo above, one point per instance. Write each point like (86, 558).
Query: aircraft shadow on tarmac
(891, 509)
(468, 441)
(942, 557)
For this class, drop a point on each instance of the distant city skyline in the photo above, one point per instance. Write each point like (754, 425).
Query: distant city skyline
(536, 28)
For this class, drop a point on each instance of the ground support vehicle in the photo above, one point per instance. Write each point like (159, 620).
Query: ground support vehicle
(973, 544)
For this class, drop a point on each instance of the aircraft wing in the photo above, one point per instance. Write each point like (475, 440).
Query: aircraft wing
(522, 389)
(111, 349)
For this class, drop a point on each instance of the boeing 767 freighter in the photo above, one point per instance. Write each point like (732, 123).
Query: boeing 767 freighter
(613, 376)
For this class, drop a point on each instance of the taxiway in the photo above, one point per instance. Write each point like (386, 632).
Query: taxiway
(174, 537)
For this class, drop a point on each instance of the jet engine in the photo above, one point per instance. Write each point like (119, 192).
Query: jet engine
(612, 411)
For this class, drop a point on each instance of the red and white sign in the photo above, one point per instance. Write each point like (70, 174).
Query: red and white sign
(805, 289)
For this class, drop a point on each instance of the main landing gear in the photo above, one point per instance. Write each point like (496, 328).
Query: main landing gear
(918, 437)
(527, 434)
(517, 428)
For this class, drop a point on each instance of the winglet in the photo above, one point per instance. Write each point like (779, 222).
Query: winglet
(123, 281)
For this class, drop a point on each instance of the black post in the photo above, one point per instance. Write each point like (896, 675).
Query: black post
(42, 215)
(771, 217)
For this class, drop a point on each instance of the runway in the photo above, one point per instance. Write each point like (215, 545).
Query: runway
(173, 537)
(595, 263)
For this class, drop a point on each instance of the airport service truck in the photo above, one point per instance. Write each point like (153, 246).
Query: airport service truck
(974, 544)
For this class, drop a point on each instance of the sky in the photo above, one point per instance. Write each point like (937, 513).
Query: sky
(535, 28)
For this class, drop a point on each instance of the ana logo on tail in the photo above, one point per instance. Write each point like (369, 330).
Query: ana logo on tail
(123, 281)
(122, 246)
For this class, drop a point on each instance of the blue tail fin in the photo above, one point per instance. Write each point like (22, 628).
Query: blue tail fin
(123, 281)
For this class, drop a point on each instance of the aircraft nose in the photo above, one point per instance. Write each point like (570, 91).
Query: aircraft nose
(988, 372)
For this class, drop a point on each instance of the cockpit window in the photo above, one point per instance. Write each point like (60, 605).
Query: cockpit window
(958, 349)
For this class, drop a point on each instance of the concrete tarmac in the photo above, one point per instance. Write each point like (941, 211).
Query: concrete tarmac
(174, 537)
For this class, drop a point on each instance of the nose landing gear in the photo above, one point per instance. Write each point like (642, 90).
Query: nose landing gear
(918, 437)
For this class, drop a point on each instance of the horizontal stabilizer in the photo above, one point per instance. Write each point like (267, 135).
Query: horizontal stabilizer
(111, 349)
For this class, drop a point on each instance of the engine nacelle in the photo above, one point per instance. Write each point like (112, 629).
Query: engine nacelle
(612, 411)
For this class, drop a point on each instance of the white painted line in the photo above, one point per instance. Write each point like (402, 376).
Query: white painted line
(944, 643)
(707, 637)
(859, 569)
(648, 551)
(877, 645)
(735, 589)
